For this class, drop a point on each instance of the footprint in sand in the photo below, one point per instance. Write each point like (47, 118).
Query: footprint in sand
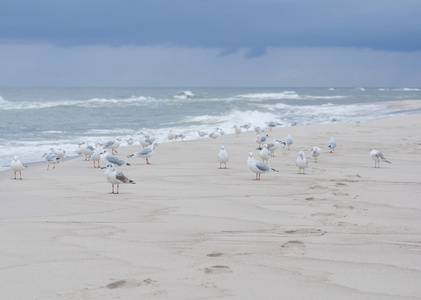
(293, 248)
(218, 269)
(306, 231)
(128, 283)
(215, 254)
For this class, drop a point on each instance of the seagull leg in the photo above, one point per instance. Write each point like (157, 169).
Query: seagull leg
(147, 161)
(15, 174)
(118, 186)
(20, 173)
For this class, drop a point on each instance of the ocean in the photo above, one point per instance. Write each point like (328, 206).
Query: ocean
(33, 120)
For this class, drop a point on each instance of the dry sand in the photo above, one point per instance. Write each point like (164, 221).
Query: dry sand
(189, 230)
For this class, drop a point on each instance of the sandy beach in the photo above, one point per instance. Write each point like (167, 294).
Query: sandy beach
(189, 230)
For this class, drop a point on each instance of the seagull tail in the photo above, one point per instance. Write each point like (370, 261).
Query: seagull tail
(259, 148)
(274, 170)
(127, 164)
(131, 181)
(131, 155)
(387, 161)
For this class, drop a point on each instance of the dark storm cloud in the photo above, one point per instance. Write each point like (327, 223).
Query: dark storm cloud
(225, 24)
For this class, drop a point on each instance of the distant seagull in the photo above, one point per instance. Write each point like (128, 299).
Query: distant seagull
(237, 130)
(96, 154)
(108, 158)
(332, 144)
(145, 153)
(358, 122)
(113, 144)
(377, 156)
(258, 130)
(180, 136)
(144, 140)
(116, 177)
(130, 141)
(293, 123)
(273, 124)
(258, 167)
(260, 139)
(61, 153)
(272, 146)
(85, 149)
(171, 135)
(288, 141)
(201, 133)
(334, 120)
(222, 157)
(214, 134)
(301, 162)
(51, 158)
(17, 166)
(315, 152)
(264, 153)
(246, 126)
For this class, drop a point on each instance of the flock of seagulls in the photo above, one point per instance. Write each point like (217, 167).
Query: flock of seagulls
(104, 153)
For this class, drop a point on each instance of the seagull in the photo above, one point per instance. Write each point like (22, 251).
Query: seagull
(315, 152)
(288, 141)
(358, 122)
(377, 156)
(171, 135)
(85, 149)
(115, 176)
(61, 153)
(214, 134)
(107, 158)
(237, 130)
(332, 144)
(258, 167)
(144, 140)
(273, 124)
(258, 130)
(221, 131)
(264, 153)
(113, 144)
(96, 154)
(181, 136)
(301, 162)
(17, 166)
(146, 152)
(222, 157)
(246, 126)
(51, 158)
(201, 133)
(130, 141)
(272, 146)
(260, 139)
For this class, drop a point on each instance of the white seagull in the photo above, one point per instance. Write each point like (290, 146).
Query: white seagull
(237, 130)
(146, 152)
(246, 126)
(113, 144)
(222, 157)
(272, 124)
(260, 139)
(315, 152)
(332, 144)
(301, 162)
(108, 158)
(258, 167)
(272, 146)
(85, 149)
(264, 153)
(171, 135)
(377, 156)
(214, 134)
(51, 158)
(17, 166)
(201, 133)
(115, 176)
(96, 154)
(288, 141)
(61, 153)
(144, 140)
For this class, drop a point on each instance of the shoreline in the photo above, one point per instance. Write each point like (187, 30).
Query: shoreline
(187, 229)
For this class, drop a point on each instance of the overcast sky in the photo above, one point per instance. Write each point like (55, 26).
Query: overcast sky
(188, 43)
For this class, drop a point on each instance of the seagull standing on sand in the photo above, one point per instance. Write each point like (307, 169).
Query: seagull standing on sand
(108, 158)
(258, 167)
(246, 126)
(237, 130)
(264, 153)
(260, 139)
(113, 144)
(51, 158)
(61, 153)
(258, 130)
(144, 140)
(272, 146)
(272, 124)
(214, 134)
(85, 149)
(222, 157)
(315, 152)
(17, 166)
(115, 176)
(332, 144)
(130, 141)
(288, 141)
(301, 162)
(201, 133)
(96, 154)
(146, 152)
(377, 156)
